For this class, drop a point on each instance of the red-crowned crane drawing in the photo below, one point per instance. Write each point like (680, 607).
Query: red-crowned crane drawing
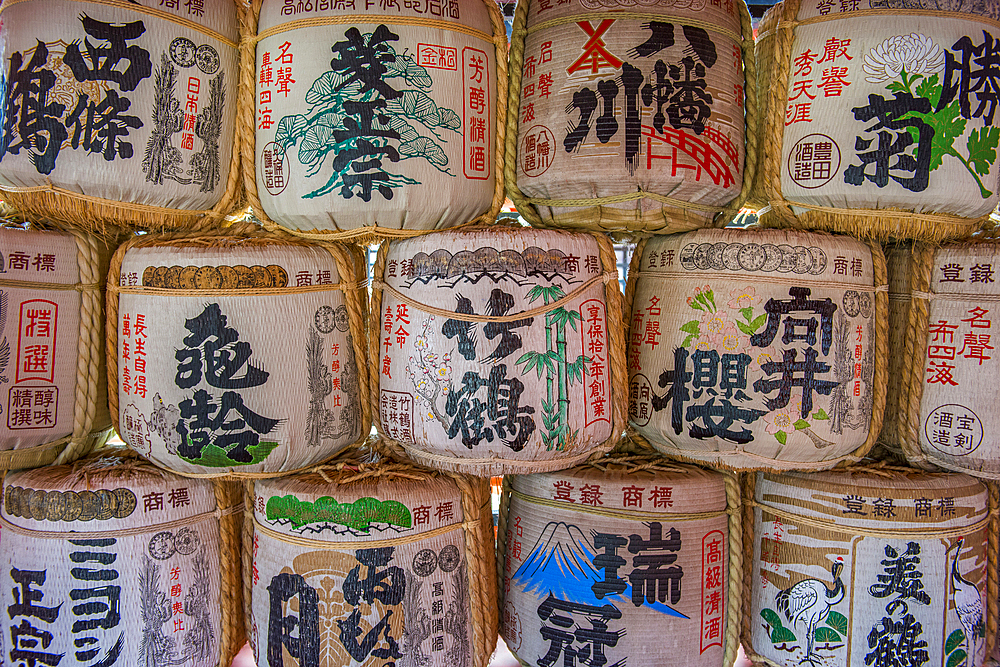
(968, 603)
(809, 602)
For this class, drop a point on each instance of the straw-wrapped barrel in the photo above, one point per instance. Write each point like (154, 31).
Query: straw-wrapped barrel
(400, 132)
(875, 566)
(370, 563)
(757, 349)
(499, 349)
(628, 116)
(628, 557)
(111, 561)
(879, 117)
(236, 354)
(54, 401)
(120, 112)
(947, 410)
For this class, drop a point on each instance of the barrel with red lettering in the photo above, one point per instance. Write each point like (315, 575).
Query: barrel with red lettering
(875, 118)
(357, 563)
(758, 349)
(112, 561)
(630, 117)
(398, 133)
(635, 552)
(868, 566)
(52, 361)
(498, 349)
(120, 112)
(946, 357)
(236, 354)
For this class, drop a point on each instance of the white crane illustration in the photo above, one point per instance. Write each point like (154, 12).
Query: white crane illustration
(810, 601)
(968, 603)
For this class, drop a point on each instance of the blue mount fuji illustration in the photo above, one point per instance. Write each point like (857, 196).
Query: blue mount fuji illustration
(561, 563)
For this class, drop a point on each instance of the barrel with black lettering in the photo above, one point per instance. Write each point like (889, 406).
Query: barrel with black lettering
(120, 112)
(112, 561)
(875, 119)
(630, 116)
(357, 563)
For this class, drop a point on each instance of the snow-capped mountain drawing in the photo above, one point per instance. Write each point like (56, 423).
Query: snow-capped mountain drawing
(561, 563)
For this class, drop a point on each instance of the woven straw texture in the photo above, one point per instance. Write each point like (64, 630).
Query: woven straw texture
(401, 208)
(818, 172)
(700, 505)
(820, 552)
(160, 546)
(213, 368)
(945, 411)
(804, 393)
(174, 162)
(519, 325)
(43, 271)
(610, 196)
(378, 542)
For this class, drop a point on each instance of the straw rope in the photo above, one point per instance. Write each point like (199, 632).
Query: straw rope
(242, 235)
(675, 215)
(776, 35)
(247, 123)
(476, 524)
(103, 216)
(495, 465)
(631, 459)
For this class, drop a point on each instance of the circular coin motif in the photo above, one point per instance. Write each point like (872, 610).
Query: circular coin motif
(752, 257)
(279, 277)
(324, 319)
(340, 318)
(852, 303)
(715, 257)
(687, 256)
(161, 546)
(126, 502)
(449, 558)
(109, 504)
(186, 541)
(207, 58)
(183, 51)
(56, 506)
(207, 277)
(73, 506)
(730, 256)
(36, 505)
(425, 562)
(90, 505)
(865, 300)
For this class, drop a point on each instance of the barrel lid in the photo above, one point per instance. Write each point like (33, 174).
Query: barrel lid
(876, 498)
(231, 263)
(112, 491)
(665, 489)
(802, 257)
(38, 256)
(353, 505)
(471, 13)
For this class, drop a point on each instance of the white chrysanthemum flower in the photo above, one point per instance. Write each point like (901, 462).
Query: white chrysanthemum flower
(915, 53)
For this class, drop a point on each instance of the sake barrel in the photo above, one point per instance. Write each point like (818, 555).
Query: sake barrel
(631, 559)
(884, 567)
(236, 355)
(54, 402)
(773, 347)
(399, 132)
(370, 562)
(498, 349)
(627, 117)
(947, 358)
(874, 110)
(120, 112)
(116, 562)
